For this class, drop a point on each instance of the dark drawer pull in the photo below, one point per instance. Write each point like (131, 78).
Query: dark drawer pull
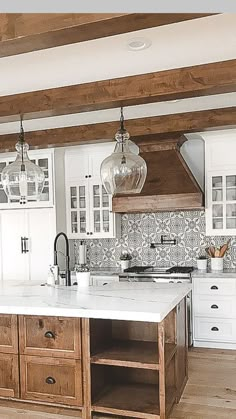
(49, 335)
(214, 306)
(50, 380)
(214, 287)
(215, 329)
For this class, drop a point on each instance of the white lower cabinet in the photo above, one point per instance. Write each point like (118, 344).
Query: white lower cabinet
(100, 280)
(26, 240)
(214, 312)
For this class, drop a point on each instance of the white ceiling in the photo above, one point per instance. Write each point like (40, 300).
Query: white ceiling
(183, 44)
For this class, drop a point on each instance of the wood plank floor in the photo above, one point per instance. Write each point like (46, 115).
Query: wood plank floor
(210, 392)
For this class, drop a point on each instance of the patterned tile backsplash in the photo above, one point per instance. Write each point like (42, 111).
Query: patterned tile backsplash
(138, 231)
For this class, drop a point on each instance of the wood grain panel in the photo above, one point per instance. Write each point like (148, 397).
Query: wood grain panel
(154, 128)
(64, 374)
(178, 83)
(26, 32)
(8, 334)
(9, 375)
(50, 336)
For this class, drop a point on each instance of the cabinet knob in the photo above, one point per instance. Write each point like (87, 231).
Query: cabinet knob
(214, 287)
(86, 176)
(49, 335)
(214, 306)
(89, 175)
(50, 380)
(91, 233)
(215, 329)
(87, 233)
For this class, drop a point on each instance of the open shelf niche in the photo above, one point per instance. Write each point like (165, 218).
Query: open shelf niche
(133, 367)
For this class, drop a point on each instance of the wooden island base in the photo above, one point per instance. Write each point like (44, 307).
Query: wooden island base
(83, 367)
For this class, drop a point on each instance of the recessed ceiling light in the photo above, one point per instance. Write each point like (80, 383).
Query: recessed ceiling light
(138, 44)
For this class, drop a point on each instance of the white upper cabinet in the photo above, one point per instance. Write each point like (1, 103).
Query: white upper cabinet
(88, 206)
(220, 171)
(43, 158)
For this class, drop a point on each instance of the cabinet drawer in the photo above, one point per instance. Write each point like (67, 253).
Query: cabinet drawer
(50, 336)
(210, 306)
(51, 380)
(215, 286)
(9, 375)
(8, 334)
(214, 329)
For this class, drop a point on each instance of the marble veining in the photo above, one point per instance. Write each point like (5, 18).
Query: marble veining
(119, 301)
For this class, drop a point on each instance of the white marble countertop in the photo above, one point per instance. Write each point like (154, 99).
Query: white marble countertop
(118, 301)
(226, 273)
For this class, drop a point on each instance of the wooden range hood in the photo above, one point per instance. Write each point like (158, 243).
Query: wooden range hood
(170, 185)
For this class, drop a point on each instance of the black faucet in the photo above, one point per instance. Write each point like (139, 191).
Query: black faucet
(68, 278)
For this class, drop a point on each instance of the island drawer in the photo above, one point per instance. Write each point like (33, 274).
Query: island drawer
(51, 380)
(50, 336)
(8, 334)
(9, 375)
(214, 329)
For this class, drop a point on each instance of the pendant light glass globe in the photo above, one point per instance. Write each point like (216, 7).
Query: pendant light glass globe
(22, 180)
(123, 172)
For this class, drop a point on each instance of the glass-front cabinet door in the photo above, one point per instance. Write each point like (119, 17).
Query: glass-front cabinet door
(45, 161)
(221, 204)
(77, 209)
(100, 210)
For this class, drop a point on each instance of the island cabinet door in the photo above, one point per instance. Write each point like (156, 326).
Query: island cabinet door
(51, 380)
(9, 375)
(50, 336)
(8, 334)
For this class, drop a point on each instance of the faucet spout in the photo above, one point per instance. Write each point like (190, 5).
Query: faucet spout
(68, 276)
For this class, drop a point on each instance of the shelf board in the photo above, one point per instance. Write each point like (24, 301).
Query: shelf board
(134, 354)
(130, 400)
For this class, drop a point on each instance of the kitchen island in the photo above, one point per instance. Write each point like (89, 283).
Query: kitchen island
(120, 349)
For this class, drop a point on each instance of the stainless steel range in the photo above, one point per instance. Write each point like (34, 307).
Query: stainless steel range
(176, 274)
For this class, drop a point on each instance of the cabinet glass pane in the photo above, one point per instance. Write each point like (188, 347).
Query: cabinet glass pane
(217, 210)
(231, 181)
(82, 221)
(231, 210)
(45, 194)
(231, 223)
(3, 197)
(97, 221)
(73, 197)
(217, 195)
(217, 216)
(105, 198)
(217, 223)
(96, 196)
(74, 222)
(231, 194)
(105, 218)
(217, 182)
(82, 201)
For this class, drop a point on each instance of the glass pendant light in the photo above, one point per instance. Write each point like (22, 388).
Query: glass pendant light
(123, 171)
(22, 180)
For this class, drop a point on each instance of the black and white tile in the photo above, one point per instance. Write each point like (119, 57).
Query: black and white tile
(138, 231)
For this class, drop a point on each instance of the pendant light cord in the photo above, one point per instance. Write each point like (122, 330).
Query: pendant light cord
(22, 142)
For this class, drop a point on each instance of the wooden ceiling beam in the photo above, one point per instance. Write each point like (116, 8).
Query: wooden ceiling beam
(200, 80)
(155, 127)
(26, 32)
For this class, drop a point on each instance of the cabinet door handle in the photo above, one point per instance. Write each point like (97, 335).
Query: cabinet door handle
(214, 287)
(50, 380)
(49, 335)
(22, 244)
(215, 329)
(26, 245)
(214, 306)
